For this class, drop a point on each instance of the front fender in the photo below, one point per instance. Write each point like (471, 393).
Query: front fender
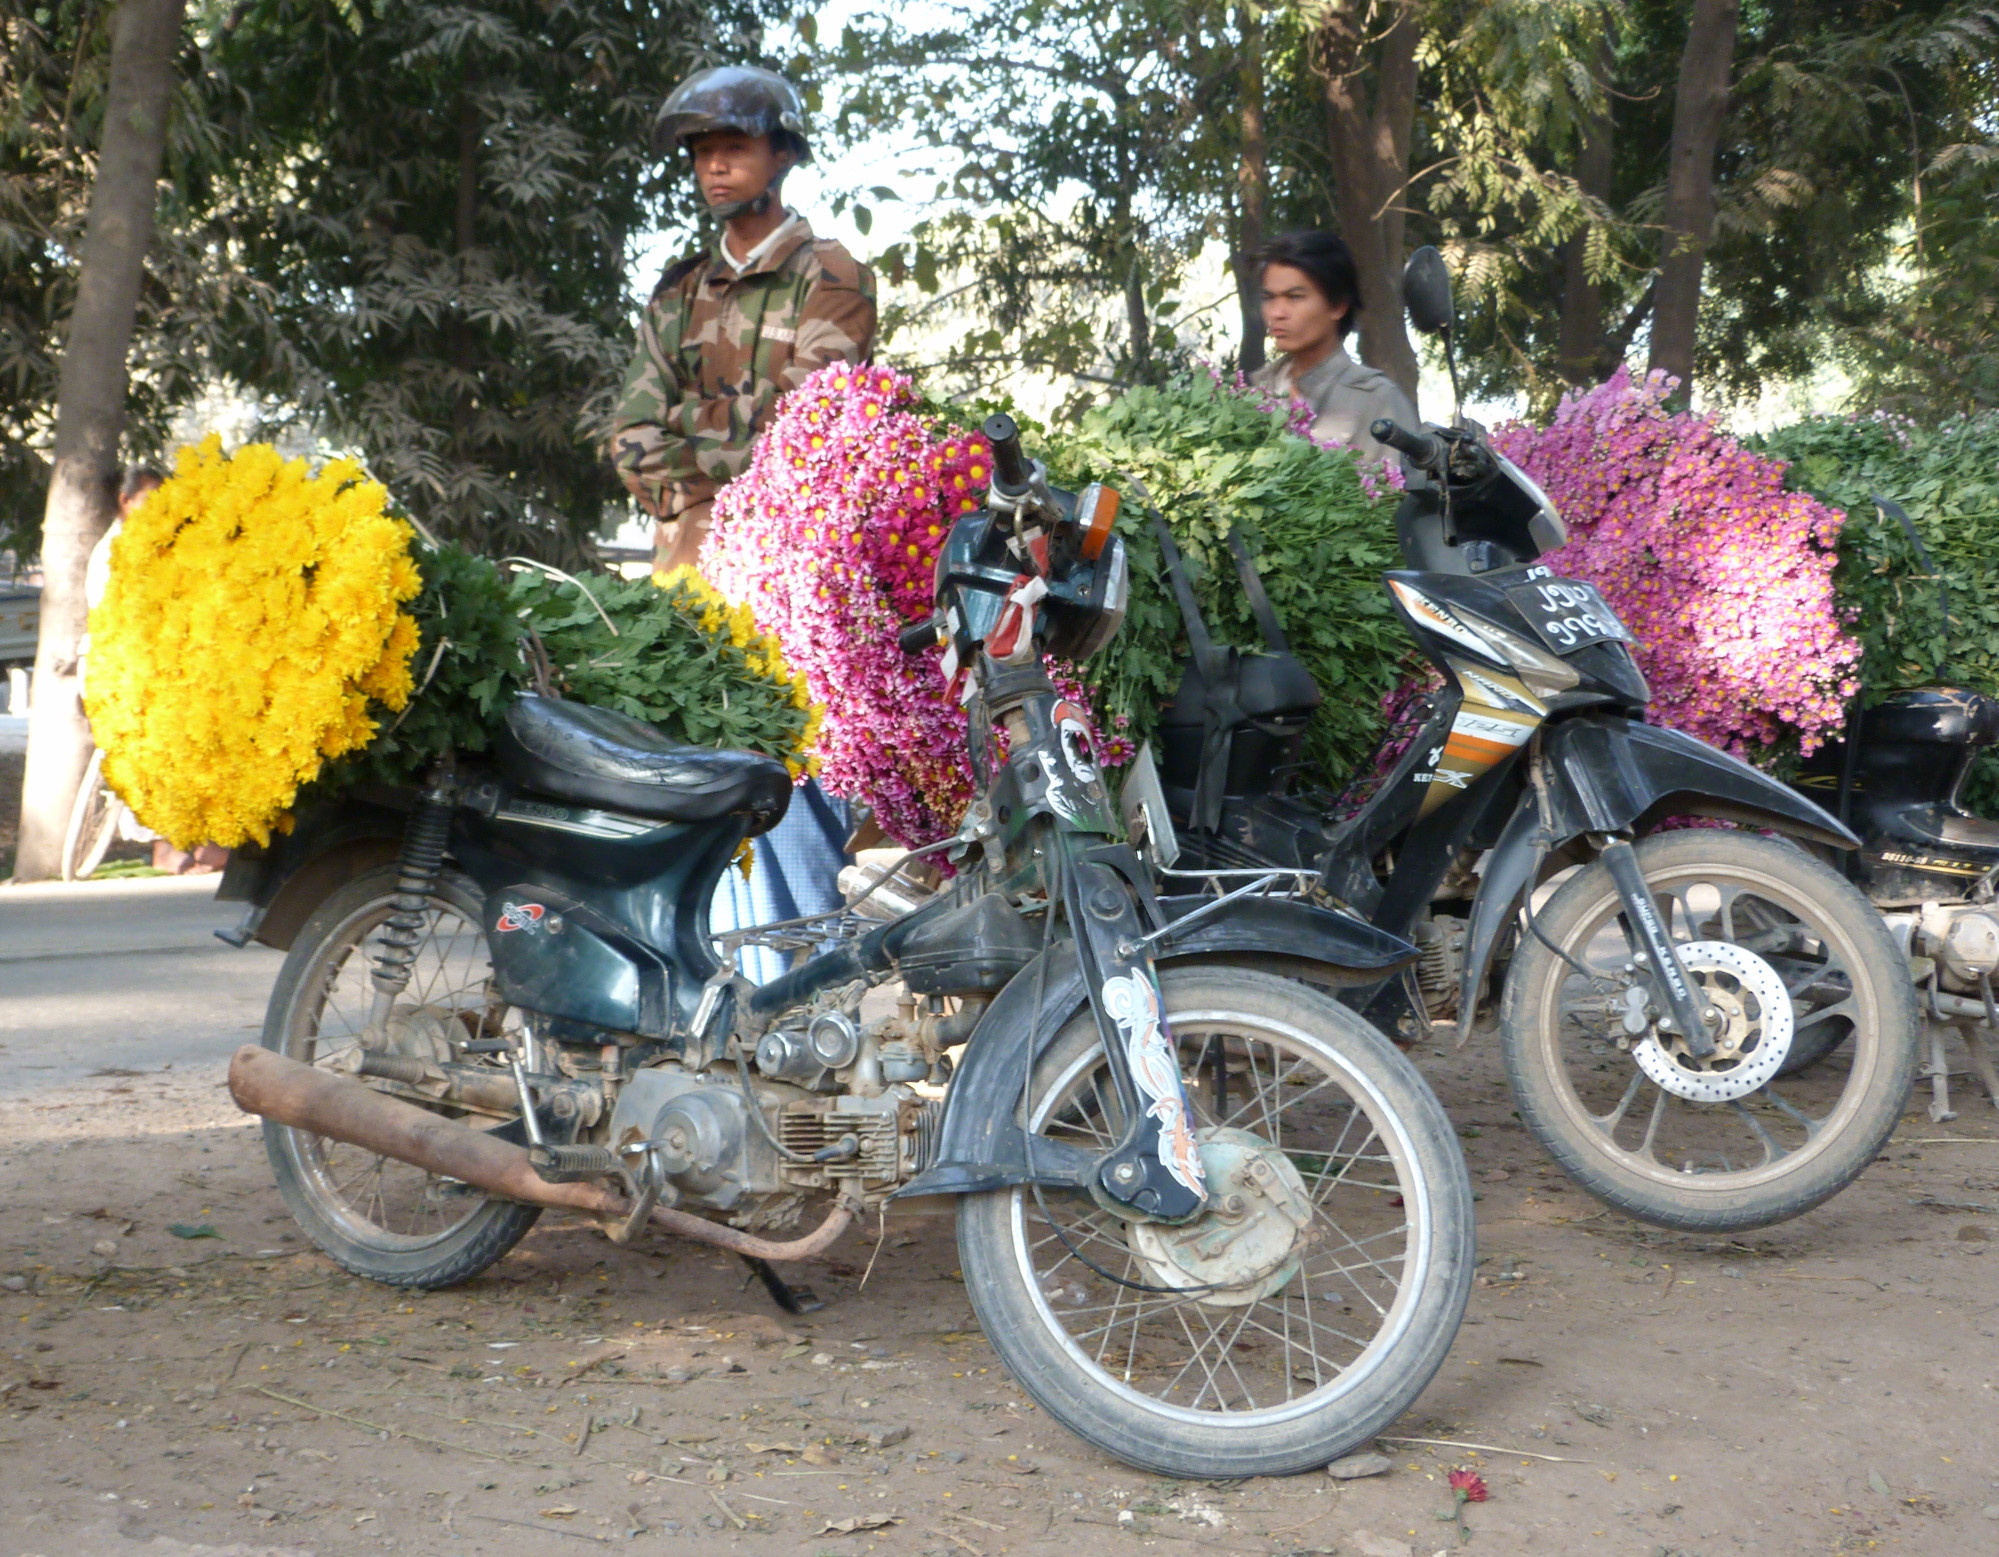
(1609, 775)
(981, 1145)
(1606, 775)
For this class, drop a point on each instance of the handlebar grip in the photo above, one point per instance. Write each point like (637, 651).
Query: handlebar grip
(1426, 449)
(1010, 469)
(917, 636)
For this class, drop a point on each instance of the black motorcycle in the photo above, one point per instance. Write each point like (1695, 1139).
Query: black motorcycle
(1930, 866)
(1209, 1218)
(1651, 1003)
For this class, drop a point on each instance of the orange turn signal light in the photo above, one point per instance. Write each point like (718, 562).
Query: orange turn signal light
(1096, 512)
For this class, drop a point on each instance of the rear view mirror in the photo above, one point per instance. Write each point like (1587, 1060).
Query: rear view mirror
(1426, 291)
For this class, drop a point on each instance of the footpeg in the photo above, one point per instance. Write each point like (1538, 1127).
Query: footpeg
(556, 1164)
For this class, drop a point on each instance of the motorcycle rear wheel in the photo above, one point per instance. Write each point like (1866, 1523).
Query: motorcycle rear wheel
(378, 1218)
(1299, 1362)
(1764, 1157)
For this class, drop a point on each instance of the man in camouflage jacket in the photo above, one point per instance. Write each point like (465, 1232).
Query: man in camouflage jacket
(729, 331)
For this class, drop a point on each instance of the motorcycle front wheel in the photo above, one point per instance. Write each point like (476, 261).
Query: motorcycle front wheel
(1793, 958)
(1297, 1316)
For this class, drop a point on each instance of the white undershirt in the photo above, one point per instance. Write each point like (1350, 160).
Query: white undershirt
(740, 266)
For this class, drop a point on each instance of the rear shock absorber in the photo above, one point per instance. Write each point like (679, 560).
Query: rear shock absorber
(425, 835)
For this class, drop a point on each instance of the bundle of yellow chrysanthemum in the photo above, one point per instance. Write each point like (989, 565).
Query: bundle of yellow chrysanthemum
(761, 660)
(252, 618)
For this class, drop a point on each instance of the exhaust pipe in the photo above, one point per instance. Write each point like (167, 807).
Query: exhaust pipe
(322, 1103)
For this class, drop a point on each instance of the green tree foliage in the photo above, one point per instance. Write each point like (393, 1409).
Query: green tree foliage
(55, 61)
(403, 225)
(1097, 145)
(1853, 184)
(434, 206)
(1081, 140)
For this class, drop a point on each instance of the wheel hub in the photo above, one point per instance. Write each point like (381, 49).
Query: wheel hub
(1245, 1246)
(1750, 1041)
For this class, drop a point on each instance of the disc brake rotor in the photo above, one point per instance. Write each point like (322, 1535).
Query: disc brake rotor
(1749, 1045)
(1246, 1245)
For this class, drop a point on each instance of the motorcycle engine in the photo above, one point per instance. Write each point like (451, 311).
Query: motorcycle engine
(869, 1137)
(1964, 940)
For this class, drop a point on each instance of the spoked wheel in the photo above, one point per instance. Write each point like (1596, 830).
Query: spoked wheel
(1792, 958)
(93, 823)
(378, 1217)
(1298, 1315)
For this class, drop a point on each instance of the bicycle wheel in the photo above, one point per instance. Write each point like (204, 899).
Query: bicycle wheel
(93, 823)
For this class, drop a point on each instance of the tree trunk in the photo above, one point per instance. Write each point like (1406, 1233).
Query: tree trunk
(1141, 326)
(1370, 150)
(1252, 190)
(90, 412)
(1581, 350)
(1394, 122)
(1688, 217)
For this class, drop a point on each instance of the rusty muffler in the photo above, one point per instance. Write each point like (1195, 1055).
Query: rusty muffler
(322, 1103)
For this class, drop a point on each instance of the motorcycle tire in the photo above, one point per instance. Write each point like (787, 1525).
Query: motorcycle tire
(1305, 1350)
(1720, 1162)
(384, 1220)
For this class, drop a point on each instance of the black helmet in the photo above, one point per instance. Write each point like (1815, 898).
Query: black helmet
(732, 97)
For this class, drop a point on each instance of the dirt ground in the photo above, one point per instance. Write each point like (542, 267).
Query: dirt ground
(1824, 1387)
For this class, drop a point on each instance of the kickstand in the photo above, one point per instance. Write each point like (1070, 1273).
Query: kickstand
(793, 1300)
(1938, 1072)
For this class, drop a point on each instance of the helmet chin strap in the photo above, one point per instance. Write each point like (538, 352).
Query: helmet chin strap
(729, 210)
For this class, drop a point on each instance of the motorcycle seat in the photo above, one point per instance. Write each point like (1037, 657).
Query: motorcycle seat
(599, 757)
(1941, 716)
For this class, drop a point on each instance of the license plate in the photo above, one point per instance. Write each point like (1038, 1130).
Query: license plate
(1568, 613)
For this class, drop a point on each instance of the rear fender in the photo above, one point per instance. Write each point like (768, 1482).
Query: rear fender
(981, 1145)
(329, 846)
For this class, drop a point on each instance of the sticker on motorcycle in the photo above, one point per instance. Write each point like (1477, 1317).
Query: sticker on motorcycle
(1496, 718)
(1078, 745)
(1133, 1004)
(519, 916)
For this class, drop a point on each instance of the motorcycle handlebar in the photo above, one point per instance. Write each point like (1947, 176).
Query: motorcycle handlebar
(918, 636)
(1426, 449)
(1010, 468)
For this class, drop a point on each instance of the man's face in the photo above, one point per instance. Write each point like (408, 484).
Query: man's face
(731, 166)
(1296, 312)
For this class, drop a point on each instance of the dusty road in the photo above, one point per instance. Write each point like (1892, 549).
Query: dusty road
(1824, 1387)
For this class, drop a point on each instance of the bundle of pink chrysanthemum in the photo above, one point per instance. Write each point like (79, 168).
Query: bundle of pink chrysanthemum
(831, 537)
(1724, 577)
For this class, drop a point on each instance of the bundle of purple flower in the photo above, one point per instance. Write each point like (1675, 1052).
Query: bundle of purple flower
(831, 537)
(1723, 577)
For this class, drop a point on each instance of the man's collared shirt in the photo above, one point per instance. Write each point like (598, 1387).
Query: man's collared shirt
(1347, 397)
(717, 349)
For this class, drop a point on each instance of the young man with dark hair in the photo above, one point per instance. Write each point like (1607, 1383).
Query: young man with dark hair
(1311, 297)
(731, 330)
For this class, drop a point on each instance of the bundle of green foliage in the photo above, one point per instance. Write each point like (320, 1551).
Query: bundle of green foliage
(678, 657)
(1216, 460)
(1947, 477)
